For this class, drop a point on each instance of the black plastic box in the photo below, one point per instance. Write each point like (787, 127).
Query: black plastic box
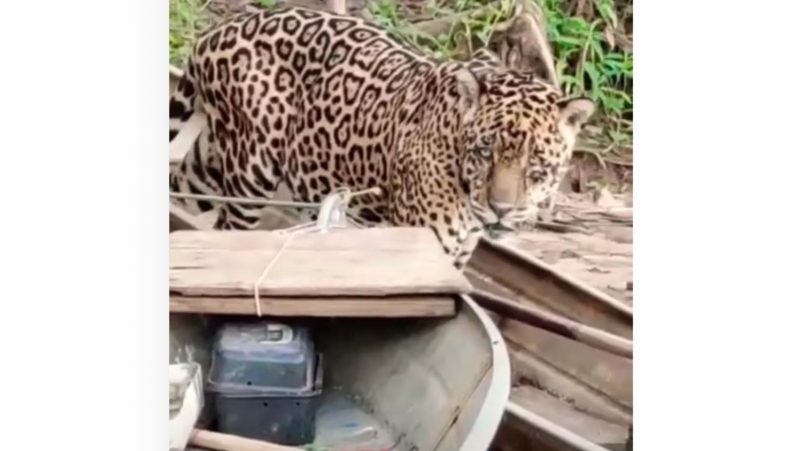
(265, 381)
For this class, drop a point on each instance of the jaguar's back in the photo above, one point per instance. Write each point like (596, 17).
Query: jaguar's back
(303, 97)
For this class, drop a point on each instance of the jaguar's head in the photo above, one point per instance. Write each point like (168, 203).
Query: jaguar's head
(517, 136)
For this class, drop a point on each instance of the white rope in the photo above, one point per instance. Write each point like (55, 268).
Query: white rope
(332, 208)
(256, 288)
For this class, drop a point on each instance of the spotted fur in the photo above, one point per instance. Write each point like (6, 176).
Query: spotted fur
(318, 101)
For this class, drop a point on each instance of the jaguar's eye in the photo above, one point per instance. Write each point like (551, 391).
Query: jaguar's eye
(537, 175)
(485, 152)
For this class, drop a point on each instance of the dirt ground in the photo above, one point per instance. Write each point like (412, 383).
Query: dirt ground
(595, 243)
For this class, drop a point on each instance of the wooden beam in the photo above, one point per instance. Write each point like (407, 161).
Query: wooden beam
(180, 146)
(175, 71)
(350, 307)
(180, 219)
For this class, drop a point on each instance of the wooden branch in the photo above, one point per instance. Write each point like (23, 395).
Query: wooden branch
(180, 146)
(337, 6)
(227, 442)
(560, 227)
(556, 324)
(628, 164)
(175, 71)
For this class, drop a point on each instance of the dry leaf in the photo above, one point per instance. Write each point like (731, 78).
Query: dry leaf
(609, 36)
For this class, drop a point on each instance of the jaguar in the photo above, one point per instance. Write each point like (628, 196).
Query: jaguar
(319, 101)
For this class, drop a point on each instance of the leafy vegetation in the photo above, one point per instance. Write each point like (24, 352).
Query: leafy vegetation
(187, 18)
(472, 28)
(588, 62)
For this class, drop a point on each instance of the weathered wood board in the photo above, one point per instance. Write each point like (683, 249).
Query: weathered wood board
(338, 306)
(395, 272)
(344, 262)
(180, 146)
(180, 219)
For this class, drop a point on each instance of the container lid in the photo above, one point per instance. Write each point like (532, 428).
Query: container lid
(263, 358)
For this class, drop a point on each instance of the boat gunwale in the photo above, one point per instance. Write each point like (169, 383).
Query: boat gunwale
(487, 421)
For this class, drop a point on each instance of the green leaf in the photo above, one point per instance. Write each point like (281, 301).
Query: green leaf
(606, 11)
(615, 57)
(570, 40)
(596, 78)
(561, 67)
(613, 68)
(576, 24)
(597, 49)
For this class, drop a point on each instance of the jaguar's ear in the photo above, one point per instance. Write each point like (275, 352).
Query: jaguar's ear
(469, 91)
(573, 113)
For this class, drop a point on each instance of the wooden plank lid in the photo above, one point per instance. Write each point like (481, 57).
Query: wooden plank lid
(371, 262)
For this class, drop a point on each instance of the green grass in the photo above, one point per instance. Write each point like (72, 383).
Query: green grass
(463, 36)
(187, 18)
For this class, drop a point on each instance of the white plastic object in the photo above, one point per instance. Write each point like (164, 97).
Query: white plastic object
(185, 402)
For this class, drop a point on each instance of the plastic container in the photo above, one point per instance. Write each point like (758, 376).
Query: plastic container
(265, 381)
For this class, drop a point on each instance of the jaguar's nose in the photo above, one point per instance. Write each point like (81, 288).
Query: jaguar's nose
(501, 209)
